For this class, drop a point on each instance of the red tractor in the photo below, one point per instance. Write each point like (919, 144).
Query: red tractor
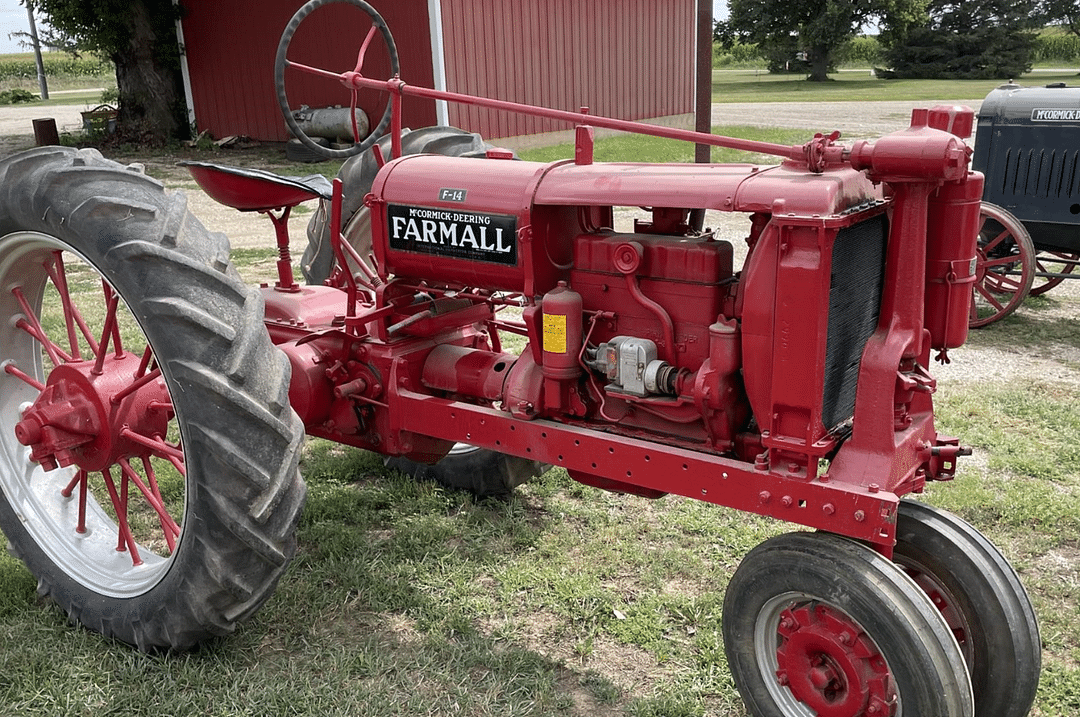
(154, 407)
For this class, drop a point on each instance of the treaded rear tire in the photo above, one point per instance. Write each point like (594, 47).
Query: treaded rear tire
(227, 382)
(484, 473)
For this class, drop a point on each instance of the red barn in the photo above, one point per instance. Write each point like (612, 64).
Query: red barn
(631, 59)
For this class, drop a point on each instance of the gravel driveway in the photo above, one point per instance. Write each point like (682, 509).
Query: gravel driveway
(855, 120)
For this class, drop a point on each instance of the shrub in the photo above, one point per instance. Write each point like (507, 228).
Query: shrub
(16, 96)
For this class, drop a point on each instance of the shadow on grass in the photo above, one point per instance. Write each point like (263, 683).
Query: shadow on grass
(389, 608)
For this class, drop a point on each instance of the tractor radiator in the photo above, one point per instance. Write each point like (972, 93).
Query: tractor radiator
(1043, 172)
(858, 270)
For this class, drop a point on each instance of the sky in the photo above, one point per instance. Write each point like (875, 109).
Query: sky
(13, 19)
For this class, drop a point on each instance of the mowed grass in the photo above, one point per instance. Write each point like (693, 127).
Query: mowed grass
(406, 599)
(760, 86)
(642, 148)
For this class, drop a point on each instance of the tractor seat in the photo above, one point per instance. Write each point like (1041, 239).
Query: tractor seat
(255, 190)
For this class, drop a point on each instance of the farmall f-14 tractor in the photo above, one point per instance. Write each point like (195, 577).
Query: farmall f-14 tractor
(154, 407)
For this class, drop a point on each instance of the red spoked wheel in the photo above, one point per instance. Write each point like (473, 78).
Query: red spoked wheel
(148, 455)
(1005, 266)
(981, 599)
(282, 61)
(1052, 268)
(816, 625)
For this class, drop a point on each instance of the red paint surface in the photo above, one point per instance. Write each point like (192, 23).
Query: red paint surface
(231, 47)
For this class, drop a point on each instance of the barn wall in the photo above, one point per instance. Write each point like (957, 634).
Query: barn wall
(231, 46)
(630, 59)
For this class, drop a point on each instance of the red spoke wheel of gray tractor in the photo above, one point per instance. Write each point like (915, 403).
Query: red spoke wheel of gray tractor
(149, 454)
(282, 62)
(1052, 268)
(816, 625)
(981, 598)
(1005, 266)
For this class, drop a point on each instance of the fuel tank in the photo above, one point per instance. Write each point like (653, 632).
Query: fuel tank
(519, 226)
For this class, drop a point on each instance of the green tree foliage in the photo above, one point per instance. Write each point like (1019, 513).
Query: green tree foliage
(966, 39)
(1062, 12)
(806, 35)
(139, 36)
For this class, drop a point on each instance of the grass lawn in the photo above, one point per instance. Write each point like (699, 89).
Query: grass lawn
(406, 599)
(760, 86)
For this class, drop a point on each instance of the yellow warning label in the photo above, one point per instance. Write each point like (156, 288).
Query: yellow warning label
(555, 333)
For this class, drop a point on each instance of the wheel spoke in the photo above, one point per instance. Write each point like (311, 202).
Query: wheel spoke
(168, 526)
(151, 476)
(1002, 261)
(148, 354)
(57, 273)
(14, 371)
(112, 301)
(135, 386)
(1006, 284)
(989, 297)
(125, 541)
(80, 479)
(31, 325)
(992, 243)
(158, 447)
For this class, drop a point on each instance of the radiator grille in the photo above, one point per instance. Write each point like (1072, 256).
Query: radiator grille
(858, 271)
(1046, 172)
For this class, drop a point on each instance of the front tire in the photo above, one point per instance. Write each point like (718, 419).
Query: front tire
(162, 510)
(981, 598)
(817, 624)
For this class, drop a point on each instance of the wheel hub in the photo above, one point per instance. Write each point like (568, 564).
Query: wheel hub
(86, 415)
(831, 665)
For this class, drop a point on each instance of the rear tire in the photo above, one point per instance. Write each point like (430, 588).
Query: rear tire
(232, 510)
(484, 473)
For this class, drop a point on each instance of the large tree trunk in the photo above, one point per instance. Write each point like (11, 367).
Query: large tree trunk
(148, 83)
(819, 65)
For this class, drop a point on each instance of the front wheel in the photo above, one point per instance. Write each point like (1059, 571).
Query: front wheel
(815, 624)
(148, 453)
(981, 598)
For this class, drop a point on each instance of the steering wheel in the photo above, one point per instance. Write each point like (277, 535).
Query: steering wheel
(281, 62)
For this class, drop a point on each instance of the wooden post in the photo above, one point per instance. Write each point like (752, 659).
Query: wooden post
(703, 85)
